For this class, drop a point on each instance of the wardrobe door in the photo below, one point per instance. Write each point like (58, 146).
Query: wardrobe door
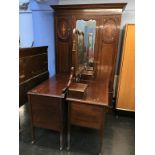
(63, 36)
(126, 84)
(108, 36)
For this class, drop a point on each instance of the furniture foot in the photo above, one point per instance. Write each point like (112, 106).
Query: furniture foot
(68, 148)
(61, 148)
(32, 142)
(101, 149)
(68, 129)
(68, 141)
(116, 116)
(101, 132)
(33, 135)
(61, 141)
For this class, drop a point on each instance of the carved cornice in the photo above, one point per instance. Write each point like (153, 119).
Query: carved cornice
(90, 6)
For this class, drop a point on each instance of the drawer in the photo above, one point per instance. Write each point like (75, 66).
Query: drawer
(86, 115)
(46, 112)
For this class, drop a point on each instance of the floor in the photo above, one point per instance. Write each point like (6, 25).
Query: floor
(119, 138)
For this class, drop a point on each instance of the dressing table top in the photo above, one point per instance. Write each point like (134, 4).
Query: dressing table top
(97, 93)
(52, 87)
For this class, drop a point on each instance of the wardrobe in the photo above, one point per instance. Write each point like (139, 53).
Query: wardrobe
(85, 65)
(126, 85)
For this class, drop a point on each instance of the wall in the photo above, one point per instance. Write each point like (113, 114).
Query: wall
(25, 26)
(25, 29)
(43, 29)
(37, 25)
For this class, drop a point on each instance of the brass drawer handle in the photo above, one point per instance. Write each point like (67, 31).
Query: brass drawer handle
(22, 76)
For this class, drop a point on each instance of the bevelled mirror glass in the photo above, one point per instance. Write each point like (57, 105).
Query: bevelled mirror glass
(86, 42)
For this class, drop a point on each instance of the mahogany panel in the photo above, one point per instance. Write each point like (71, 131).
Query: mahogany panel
(77, 90)
(97, 93)
(31, 66)
(52, 87)
(33, 69)
(30, 51)
(106, 46)
(27, 85)
(63, 57)
(86, 115)
(45, 112)
(63, 43)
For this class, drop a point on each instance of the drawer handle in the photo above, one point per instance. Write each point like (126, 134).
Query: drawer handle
(22, 76)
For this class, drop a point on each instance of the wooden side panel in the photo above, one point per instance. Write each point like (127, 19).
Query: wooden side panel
(86, 115)
(24, 52)
(31, 66)
(33, 69)
(63, 57)
(28, 85)
(63, 43)
(106, 46)
(45, 112)
(32, 62)
(126, 85)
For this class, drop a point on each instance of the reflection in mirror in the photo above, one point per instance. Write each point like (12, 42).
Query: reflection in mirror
(80, 46)
(86, 43)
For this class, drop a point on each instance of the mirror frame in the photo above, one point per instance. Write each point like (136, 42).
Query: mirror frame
(74, 47)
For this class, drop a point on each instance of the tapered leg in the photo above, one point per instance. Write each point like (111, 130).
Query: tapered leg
(101, 142)
(33, 134)
(101, 132)
(68, 128)
(61, 141)
(68, 138)
(61, 124)
(31, 121)
(19, 123)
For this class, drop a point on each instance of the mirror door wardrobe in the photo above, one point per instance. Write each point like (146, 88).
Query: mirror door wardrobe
(108, 19)
(92, 52)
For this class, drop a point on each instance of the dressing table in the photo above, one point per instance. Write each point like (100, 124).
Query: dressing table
(46, 102)
(87, 38)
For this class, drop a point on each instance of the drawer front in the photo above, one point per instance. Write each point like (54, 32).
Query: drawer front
(75, 94)
(86, 115)
(46, 112)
